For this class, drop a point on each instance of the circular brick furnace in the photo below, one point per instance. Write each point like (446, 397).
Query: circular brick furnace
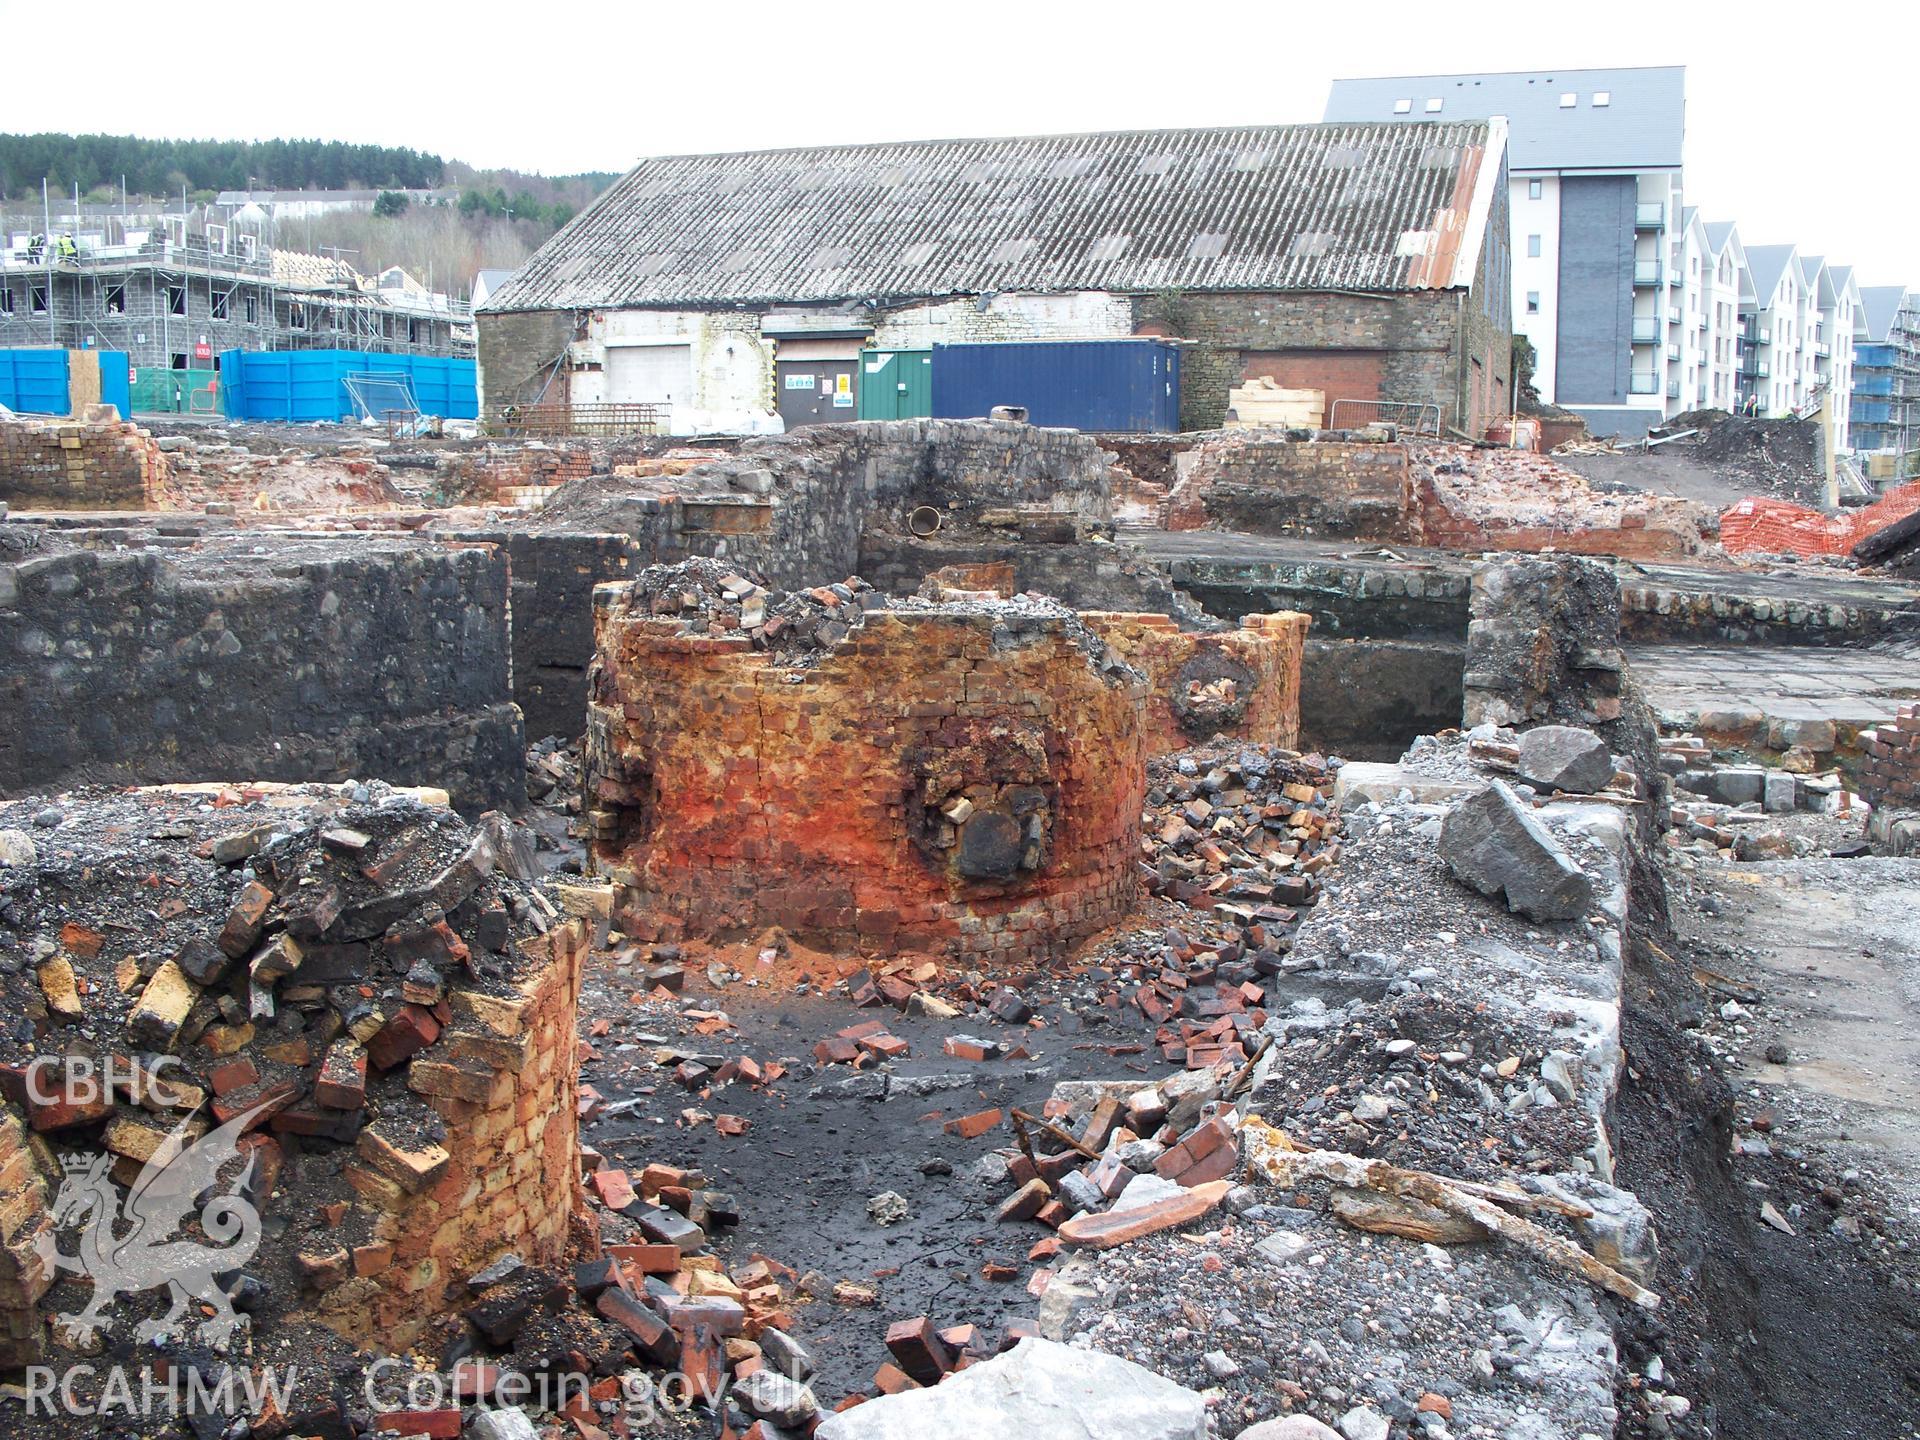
(955, 778)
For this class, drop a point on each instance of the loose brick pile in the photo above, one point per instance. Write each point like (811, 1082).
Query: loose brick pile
(1891, 774)
(79, 465)
(369, 981)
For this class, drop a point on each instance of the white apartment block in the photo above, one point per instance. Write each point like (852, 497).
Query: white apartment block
(1726, 282)
(1595, 199)
(1841, 324)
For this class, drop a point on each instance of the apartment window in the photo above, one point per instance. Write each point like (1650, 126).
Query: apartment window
(250, 307)
(1403, 107)
(1602, 99)
(1433, 105)
(413, 331)
(1533, 247)
(1568, 100)
(1533, 302)
(179, 361)
(296, 316)
(1533, 189)
(37, 299)
(6, 300)
(217, 303)
(116, 299)
(176, 299)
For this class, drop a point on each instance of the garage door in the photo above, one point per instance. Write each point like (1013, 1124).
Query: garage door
(650, 375)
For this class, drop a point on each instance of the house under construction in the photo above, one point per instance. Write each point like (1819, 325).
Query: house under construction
(175, 297)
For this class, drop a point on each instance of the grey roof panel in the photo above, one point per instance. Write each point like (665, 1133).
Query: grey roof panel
(1641, 126)
(1767, 263)
(1878, 305)
(1123, 211)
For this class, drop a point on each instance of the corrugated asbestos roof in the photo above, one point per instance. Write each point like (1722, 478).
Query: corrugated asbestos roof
(1286, 207)
(1639, 124)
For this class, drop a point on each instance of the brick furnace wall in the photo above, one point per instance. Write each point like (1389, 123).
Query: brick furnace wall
(730, 792)
(504, 1077)
(1261, 659)
(1269, 485)
(78, 465)
(1891, 775)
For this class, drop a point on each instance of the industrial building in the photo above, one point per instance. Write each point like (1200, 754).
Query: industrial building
(1364, 263)
(1598, 225)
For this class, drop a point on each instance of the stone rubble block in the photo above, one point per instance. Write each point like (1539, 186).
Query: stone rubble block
(1037, 1389)
(1565, 757)
(1490, 842)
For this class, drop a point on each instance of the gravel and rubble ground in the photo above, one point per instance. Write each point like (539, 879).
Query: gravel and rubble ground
(1766, 1117)
(1313, 969)
(1728, 458)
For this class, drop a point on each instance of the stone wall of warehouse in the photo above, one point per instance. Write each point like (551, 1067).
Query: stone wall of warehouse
(303, 659)
(519, 355)
(1413, 339)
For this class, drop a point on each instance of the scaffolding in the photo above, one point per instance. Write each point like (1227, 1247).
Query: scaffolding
(177, 297)
(1887, 396)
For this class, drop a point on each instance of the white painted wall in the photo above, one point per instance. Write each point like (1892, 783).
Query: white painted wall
(731, 364)
(1537, 274)
(1082, 315)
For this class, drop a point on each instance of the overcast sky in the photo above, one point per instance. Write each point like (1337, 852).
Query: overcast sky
(1800, 119)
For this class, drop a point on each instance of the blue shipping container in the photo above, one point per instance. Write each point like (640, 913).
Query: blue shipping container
(1123, 385)
(303, 386)
(34, 382)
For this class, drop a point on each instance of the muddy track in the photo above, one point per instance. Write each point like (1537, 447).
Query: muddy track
(1769, 1334)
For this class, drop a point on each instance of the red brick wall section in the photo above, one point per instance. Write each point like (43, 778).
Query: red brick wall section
(504, 1077)
(1891, 774)
(79, 465)
(1778, 527)
(1303, 483)
(24, 1275)
(729, 792)
(1261, 658)
(482, 474)
(1339, 374)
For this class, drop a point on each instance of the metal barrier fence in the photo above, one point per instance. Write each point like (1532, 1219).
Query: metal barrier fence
(548, 422)
(1408, 415)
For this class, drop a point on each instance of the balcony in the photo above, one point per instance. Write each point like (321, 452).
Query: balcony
(1673, 352)
(1646, 329)
(1673, 314)
(1651, 216)
(1646, 272)
(1756, 334)
(1754, 368)
(1823, 351)
(1673, 389)
(1644, 383)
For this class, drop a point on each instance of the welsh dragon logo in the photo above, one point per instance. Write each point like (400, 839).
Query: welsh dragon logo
(126, 1249)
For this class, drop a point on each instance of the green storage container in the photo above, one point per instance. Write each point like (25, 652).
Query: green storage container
(895, 384)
